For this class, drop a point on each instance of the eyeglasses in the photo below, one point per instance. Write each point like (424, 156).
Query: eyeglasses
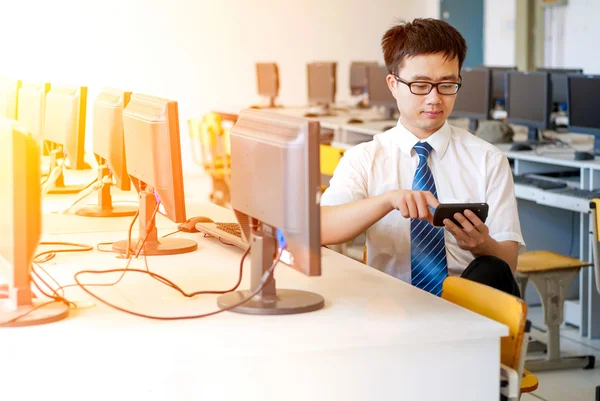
(424, 87)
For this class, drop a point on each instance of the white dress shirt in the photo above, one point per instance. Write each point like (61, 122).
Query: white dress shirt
(465, 168)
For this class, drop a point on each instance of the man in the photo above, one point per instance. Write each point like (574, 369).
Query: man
(389, 186)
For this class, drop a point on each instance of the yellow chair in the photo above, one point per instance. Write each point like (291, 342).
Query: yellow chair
(330, 156)
(506, 309)
(551, 274)
(211, 150)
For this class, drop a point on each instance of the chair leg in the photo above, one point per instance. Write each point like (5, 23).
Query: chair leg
(552, 287)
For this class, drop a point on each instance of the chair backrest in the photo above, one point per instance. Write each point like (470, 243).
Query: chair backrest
(496, 305)
(330, 157)
(594, 206)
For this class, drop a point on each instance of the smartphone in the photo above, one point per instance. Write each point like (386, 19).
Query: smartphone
(447, 211)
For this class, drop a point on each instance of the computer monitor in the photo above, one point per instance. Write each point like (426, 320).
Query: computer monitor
(267, 81)
(21, 224)
(359, 79)
(583, 99)
(153, 153)
(559, 85)
(109, 148)
(474, 99)
(322, 85)
(498, 82)
(9, 93)
(275, 184)
(529, 101)
(64, 131)
(31, 106)
(379, 92)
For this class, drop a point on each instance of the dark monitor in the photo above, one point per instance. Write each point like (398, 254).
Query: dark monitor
(153, 153)
(109, 148)
(583, 99)
(321, 83)
(275, 184)
(498, 81)
(359, 76)
(559, 85)
(9, 94)
(267, 81)
(64, 131)
(21, 227)
(379, 92)
(474, 98)
(529, 96)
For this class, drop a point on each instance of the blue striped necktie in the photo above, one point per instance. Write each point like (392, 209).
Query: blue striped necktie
(428, 251)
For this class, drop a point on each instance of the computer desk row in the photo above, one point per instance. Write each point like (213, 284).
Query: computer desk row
(376, 337)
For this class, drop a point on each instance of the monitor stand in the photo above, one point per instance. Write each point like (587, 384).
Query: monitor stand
(147, 229)
(58, 185)
(269, 301)
(271, 104)
(105, 208)
(473, 125)
(29, 313)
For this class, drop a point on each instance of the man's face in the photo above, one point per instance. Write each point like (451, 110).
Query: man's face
(424, 114)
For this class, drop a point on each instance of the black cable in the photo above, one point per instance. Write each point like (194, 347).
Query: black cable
(14, 319)
(52, 253)
(265, 279)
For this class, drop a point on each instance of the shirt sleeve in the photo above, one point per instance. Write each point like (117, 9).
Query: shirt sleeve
(349, 181)
(503, 217)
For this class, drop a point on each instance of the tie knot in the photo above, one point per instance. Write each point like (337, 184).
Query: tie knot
(423, 149)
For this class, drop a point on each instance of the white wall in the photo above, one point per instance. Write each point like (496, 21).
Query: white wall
(198, 52)
(572, 37)
(499, 32)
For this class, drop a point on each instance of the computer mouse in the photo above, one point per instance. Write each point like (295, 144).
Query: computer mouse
(355, 121)
(310, 115)
(518, 147)
(190, 225)
(580, 155)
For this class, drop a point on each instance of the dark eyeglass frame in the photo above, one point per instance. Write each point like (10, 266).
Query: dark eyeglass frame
(432, 85)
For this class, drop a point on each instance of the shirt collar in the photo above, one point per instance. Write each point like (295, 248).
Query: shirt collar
(439, 140)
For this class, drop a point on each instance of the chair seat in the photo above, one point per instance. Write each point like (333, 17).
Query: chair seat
(543, 261)
(529, 382)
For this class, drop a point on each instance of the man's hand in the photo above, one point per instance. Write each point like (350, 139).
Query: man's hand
(473, 235)
(413, 204)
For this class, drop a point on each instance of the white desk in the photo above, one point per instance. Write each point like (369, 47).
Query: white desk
(376, 339)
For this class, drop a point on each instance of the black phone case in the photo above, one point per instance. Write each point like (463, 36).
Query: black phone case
(447, 211)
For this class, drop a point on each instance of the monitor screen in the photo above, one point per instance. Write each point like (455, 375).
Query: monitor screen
(584, 98)
(474, 97)
(267, 79)
(528, 98)
(321, 82)
(359, 76)
(498, 81)
(559, 83)
(379, 92)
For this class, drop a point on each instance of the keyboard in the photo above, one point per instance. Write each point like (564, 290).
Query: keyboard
(538, 182)
(230, 228)
(579, 193)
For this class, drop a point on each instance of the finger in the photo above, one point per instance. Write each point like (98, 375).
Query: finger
(455, 230)
(475, 220)
(403, 208)
(431, 200)
(422, 207)
(413, 211)
(464, 222)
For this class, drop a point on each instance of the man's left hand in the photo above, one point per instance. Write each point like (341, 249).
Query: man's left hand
(473, 234)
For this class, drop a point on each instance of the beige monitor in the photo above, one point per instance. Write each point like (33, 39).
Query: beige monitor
(322, 85)
(64, 132)
(31, 108)
(153, 153)
(109, 148)
(267, 81)
(275, 184)
(21, 224)
(379, 92)
(9, 93)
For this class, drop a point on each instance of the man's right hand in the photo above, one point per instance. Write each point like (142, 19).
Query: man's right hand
(413, 204)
